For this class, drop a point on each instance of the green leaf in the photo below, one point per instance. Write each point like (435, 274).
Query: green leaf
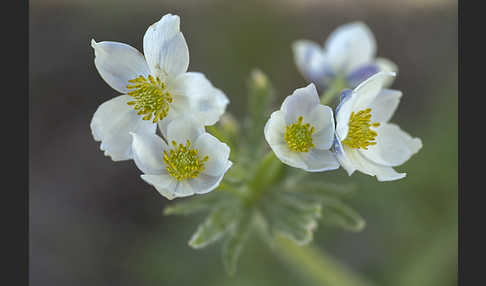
(195, 204)
(214, 227)
(336, 213)
(323, 190)
(291, 216)
(234, 244)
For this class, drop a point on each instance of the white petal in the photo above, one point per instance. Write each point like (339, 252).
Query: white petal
(342, 158)
(384, 105)
(344, 110)
(165, 184)
(287, 156)
(148, 153)
(387, 66)
(350, 46)
(393, 146)
(300, 103)
(217, 152)
(111, 124)
(367, 91)
(312, 63)
(319, 160)
(382, 173)
(156, 38)
(274, 130)
(117, 63)
(321, 118)
(204, 183)
(182, 129)
(184, 189)
(207, 103)
(174, 56)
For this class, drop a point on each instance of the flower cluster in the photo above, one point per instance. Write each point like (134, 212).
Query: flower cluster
(167, 120)
(157, 90)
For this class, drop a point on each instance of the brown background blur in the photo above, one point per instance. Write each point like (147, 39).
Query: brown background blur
(95, 222)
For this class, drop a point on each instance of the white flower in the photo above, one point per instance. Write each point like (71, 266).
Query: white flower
(191, 161)
(365, 141)
(302, 131)
(349, 52)
(155, 88)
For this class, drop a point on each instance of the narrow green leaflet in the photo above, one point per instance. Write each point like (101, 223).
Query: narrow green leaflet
(214, 227)
(196, 204)
(291, 216)
(336, 213)
(234, 243)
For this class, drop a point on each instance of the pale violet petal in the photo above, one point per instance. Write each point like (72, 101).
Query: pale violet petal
(367, 91)
(164, 184)
(148, 153)
(343, 113)
(345, 94)
(322, 119)
(382, 173)
(361, 73)
(319, 160)
(384, 105)
(350, 46)
(182, 129)
(206, 103)
(217, 152)
(393, 146)
(112, 123)
(312, 62)
(117, 63)
(274, 130)
(387, 66)
(204, 183)
(156, 38)
(300, 103)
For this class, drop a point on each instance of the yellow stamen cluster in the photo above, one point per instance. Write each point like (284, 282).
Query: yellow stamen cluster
(182, 162)
(299, 137)
(359, 134)
(151, 97)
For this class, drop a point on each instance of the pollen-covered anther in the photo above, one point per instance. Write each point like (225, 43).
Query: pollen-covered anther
(360, 134)
(151, 97)
(299, 136)
(182, 162)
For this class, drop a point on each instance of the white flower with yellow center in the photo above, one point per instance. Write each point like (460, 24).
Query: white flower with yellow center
(365, 141)
(349, 52)
(302, 132)
(155, 88)
(189, 162)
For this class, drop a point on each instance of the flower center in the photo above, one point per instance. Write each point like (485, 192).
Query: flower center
(298, 136)
(182, 162)
(151, 97)
(359, 134)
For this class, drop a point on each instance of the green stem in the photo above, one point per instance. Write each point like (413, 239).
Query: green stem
(334, 89)
(268, 171)
(316, 265)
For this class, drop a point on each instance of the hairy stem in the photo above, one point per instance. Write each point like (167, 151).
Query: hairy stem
(316, 265)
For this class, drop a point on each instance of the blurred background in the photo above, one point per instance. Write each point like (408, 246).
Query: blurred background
(95, 222)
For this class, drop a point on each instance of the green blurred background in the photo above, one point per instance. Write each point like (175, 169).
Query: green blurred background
(95, 222)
